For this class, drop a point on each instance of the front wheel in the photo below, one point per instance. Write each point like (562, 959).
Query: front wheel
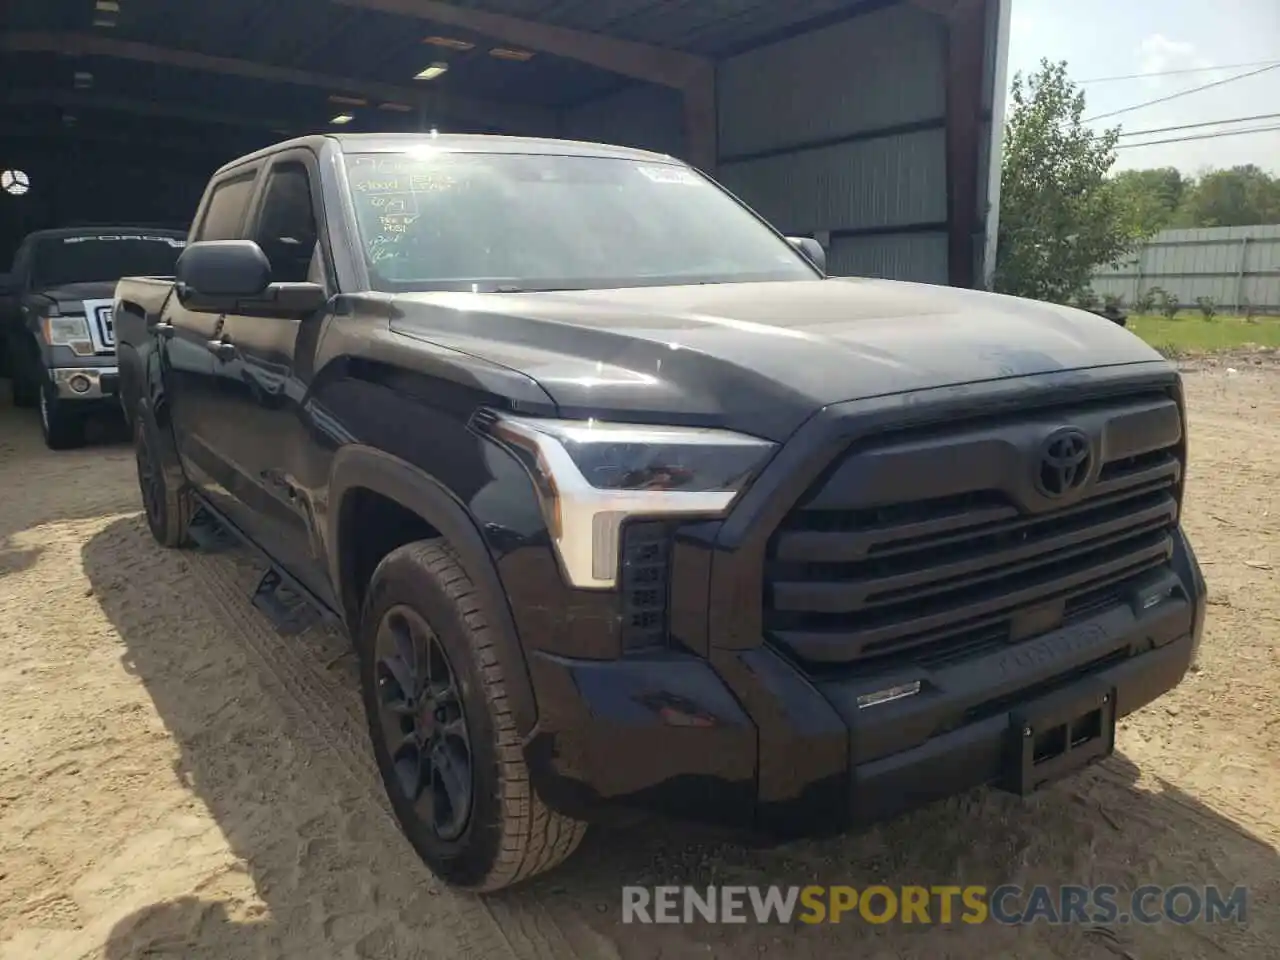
(443, 735)
(61, 422)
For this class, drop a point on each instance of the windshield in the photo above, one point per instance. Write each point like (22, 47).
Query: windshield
(107, 256)
(432, 220)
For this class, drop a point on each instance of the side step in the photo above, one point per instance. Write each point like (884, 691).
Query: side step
(208, 534)
(289, 611)
(288, 606)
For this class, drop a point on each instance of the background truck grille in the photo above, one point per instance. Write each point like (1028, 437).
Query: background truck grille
(930, 580)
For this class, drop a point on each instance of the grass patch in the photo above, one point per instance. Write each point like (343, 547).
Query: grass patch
(1192, 333)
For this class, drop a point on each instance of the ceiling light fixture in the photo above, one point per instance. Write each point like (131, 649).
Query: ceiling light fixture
(107, 6)
(397, 107)
(103, 22)
(449, 43)
(505, 53)
(342, 118)
(83, 80)
(431, 72)
(348, 101)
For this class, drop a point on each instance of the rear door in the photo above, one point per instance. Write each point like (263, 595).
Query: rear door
(192, 371)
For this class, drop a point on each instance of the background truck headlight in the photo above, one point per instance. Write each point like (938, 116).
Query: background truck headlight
(592, 476)
(70, 332)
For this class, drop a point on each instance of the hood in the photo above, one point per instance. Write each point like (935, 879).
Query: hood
(70, 297)
(761, 356)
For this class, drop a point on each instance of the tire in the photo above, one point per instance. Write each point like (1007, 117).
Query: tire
(509, 835)
(61, 423)
(168, 510)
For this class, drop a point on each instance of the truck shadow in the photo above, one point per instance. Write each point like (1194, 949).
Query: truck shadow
(272, 744)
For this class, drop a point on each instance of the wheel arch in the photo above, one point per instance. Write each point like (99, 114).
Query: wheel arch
(357, 470)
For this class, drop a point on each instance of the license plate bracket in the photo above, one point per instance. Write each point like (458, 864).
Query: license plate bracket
(1060, 734)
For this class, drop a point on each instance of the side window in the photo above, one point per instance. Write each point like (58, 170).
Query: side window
(224, 218)
(286, 229)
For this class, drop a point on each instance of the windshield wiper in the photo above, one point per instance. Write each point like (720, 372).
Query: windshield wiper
(509, 288)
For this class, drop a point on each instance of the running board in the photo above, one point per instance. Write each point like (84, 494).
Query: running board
(208, 534)
(288, 610)
(285, 602)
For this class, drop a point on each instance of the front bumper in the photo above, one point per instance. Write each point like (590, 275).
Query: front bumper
(747, 740)
(85, 383)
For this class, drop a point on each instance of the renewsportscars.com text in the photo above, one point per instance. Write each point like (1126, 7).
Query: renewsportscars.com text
(1006, 904)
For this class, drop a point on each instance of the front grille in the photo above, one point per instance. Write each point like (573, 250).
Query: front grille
(932, 580)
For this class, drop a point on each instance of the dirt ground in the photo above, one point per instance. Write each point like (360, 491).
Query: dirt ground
(177, 780)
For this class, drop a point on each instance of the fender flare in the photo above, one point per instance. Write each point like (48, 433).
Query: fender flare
(359, 466)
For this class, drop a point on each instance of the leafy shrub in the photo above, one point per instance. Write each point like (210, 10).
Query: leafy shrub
(1169, 304)
(1145, 301)
(1086, 299)
(1113, 303)
(1207, 307)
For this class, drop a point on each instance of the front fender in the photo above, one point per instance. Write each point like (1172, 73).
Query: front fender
(356, 466)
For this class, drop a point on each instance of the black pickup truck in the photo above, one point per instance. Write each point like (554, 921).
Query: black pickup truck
(55, 318)
(627, 506)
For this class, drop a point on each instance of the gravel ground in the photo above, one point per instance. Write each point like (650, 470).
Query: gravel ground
(177, 780)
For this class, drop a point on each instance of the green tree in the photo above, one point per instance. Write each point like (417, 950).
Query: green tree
(1151, 196)
(1239, 197)
(1059, 214)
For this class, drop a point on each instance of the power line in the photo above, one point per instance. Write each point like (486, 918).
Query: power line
(1170, 73)
(1203, 123)
(1182, 93)
(1200, 136)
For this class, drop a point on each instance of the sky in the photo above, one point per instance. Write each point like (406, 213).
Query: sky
(1107, 38)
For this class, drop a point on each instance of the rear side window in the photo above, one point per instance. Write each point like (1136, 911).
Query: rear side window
(224, 220)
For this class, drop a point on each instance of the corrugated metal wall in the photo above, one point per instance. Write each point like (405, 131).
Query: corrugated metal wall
(995, 82)
(641, 115)
(1233, 265)
(839, 134)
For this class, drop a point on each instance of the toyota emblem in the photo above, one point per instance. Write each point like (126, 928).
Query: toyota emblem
(1064, 462)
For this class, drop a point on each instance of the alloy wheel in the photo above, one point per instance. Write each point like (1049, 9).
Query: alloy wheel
(422, 721)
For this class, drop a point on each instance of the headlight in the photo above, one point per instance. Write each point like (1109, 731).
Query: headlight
(592, 476)
(70, 332)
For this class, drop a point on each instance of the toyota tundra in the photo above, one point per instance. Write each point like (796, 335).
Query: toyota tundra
(626, 505)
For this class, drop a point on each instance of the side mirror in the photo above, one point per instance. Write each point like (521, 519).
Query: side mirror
(212, 276)
(234, 276)
(812, 251)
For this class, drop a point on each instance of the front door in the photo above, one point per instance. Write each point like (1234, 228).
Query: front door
(265, 381)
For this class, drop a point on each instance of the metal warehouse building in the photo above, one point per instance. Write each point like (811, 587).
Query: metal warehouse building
(872, 125)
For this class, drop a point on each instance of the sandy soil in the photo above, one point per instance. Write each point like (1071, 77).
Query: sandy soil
(176, 780)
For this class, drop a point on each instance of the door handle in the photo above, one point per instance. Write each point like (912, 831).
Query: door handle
(222, 349)
(165, 330)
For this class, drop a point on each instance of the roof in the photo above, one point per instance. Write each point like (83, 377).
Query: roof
(337, 40)
(452, 143)
(481, 143)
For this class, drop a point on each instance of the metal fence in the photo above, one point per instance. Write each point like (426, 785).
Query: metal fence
(1239, 267)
